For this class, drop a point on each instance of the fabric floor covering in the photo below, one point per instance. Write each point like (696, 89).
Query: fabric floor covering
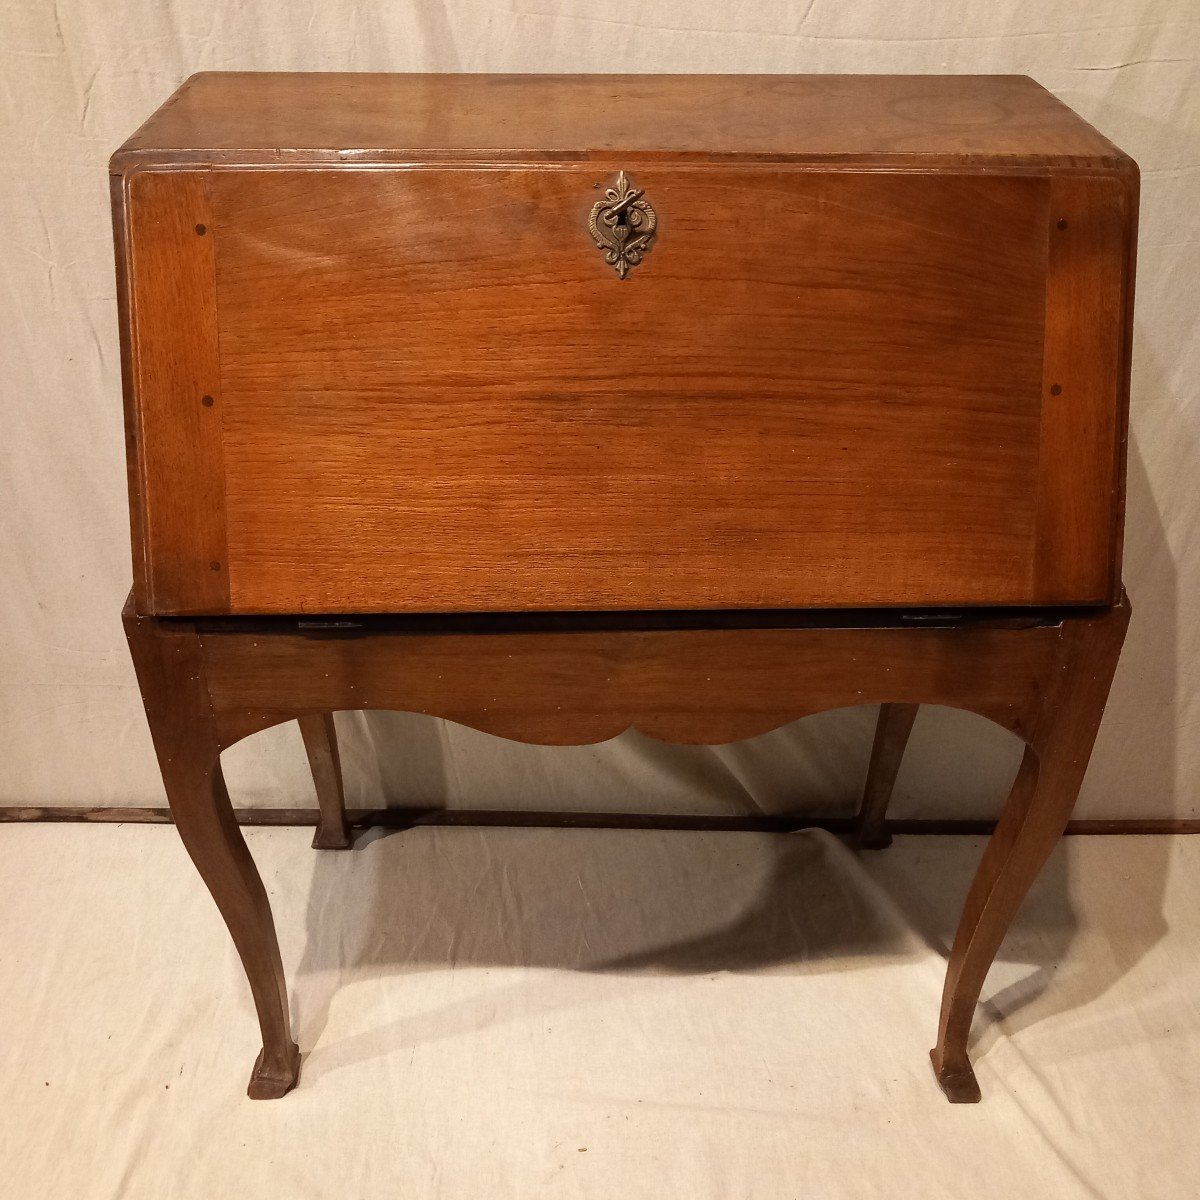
(620, 1013)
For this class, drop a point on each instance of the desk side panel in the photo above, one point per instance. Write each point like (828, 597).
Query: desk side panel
(1085, 387)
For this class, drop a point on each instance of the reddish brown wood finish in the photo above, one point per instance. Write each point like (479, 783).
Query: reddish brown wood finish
(1059, 747)
(206, 689)
(171, 670)
(1088, 300)
(320, 744)
(175, 364)
(878, 356)
(875, 379)
(891, 737)
(519, 430)
(281, 119)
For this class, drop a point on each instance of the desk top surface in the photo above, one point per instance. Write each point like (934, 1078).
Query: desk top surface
(891, 120)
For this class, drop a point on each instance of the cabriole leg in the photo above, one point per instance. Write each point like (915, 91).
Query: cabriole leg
(1031, 823)
(170, 671)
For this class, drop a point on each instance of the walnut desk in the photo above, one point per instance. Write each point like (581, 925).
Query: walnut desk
(555, 405)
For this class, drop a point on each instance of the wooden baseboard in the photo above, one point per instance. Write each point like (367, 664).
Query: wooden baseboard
(406, 818)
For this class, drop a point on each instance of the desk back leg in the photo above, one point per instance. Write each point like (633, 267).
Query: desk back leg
(891, 737)
(320, 743)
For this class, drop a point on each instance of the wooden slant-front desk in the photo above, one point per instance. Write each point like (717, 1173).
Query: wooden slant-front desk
(555, 405)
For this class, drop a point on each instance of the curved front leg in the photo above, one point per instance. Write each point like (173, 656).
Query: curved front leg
(1013, 857)
(1030, 825)
(170, 670)
(204, 817)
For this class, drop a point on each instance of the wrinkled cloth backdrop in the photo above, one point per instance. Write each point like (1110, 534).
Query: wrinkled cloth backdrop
(79, 77)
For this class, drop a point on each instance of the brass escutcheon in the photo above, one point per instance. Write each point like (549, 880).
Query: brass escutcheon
(622, 225)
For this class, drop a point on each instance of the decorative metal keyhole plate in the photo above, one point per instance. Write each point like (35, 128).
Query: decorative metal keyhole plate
(622, 225)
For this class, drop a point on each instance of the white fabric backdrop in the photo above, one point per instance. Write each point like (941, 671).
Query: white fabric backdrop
(78, 78)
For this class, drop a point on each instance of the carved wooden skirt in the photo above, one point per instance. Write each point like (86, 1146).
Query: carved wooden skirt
(207, 684)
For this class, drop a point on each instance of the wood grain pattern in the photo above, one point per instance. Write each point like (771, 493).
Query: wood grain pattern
(827, 385)
(363, 118)
(172, 677)
(697, 686)
(178, 497)
(819, 389)
(887, 750)
(1085, 387)
(207, 688)
(877, 360)
(1031, 823)
(320, 744)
